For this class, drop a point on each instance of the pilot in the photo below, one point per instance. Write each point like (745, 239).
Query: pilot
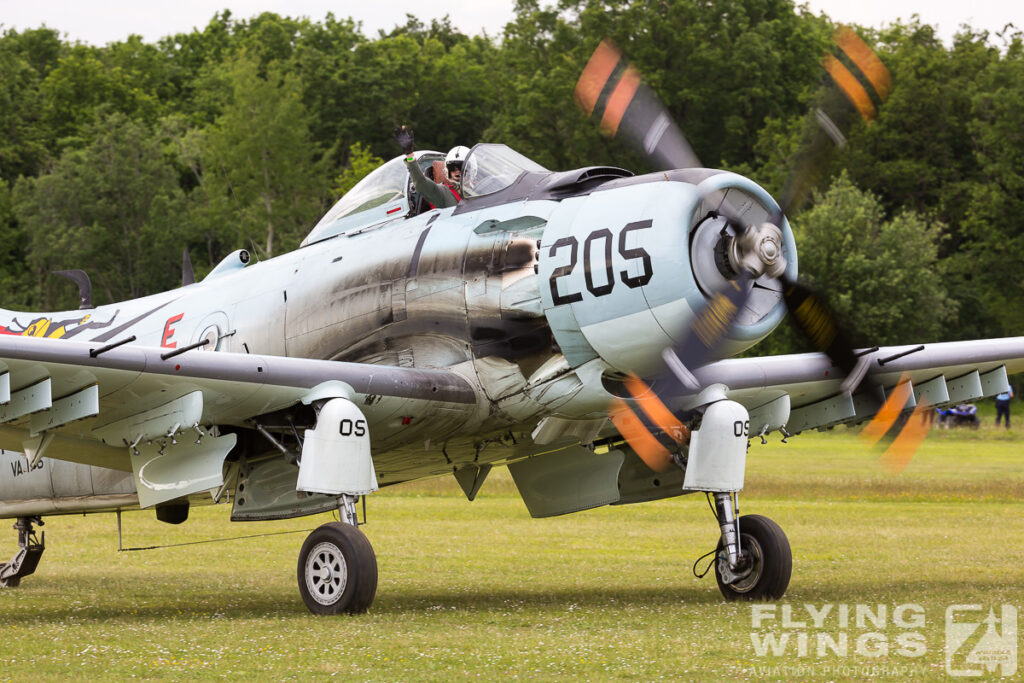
(439, 194)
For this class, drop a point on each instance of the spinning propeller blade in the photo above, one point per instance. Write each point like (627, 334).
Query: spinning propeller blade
(900, 441)
(612, 90)
(710, 326)
(862, 84)
(816, 322)
(653, 431)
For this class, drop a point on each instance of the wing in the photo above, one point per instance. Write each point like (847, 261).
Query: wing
(80, 402)
(803, 391)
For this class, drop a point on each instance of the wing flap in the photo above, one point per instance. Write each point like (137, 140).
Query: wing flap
(80, 405)
(27, 400)
(164, 420)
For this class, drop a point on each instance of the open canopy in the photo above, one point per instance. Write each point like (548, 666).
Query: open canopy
(383, 194)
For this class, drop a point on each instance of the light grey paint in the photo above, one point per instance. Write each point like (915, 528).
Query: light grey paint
(56, 486)
(443, 334)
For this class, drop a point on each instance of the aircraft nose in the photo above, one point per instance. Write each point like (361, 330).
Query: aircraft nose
(758, 251)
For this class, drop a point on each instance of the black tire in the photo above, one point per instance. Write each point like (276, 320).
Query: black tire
(337, 570)
(765, 543)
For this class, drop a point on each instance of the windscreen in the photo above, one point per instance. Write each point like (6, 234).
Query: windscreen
(491, 167)
(377, 193)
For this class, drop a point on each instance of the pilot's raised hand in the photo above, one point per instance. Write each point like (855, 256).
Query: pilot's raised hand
(404, 138)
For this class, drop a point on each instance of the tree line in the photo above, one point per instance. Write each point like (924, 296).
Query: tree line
(115, 158)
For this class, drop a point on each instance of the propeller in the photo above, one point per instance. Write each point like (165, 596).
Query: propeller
(612, 90)
(898, 440)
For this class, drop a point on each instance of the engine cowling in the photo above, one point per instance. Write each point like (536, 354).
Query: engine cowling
(622, 270)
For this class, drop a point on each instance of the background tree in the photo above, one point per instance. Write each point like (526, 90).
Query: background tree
(25, 60)
(262, 176)
(239, 128)
(361, 162)
(881, 276)
(110, 208)
(542, 55)
(15, 276)
(988, 267)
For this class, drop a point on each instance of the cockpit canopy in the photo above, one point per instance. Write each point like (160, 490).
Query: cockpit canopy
(384, 193)
(377, 197)
(490, 167)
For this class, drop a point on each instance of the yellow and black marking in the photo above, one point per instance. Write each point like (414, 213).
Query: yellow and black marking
(712, 323)
(715, 319)
(816, 322)
(53, 329)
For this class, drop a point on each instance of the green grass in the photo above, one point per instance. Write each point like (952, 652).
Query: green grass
(479, 590)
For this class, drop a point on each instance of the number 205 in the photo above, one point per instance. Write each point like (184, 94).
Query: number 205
(603, 236)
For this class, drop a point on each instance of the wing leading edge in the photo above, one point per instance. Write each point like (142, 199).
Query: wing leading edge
(63, 397)
(803, 391)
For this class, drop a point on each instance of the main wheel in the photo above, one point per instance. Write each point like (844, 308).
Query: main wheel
(337, 570)
(770, 559)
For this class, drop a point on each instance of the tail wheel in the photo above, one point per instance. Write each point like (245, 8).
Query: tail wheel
(337, 570)
(766, 549)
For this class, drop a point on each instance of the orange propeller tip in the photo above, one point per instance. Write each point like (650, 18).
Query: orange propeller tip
(643, 443)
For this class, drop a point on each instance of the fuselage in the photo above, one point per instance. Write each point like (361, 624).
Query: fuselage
(537, 300)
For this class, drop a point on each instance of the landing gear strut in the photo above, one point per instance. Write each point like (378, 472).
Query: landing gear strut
(30, 550)
(753, 560)
(337, 566)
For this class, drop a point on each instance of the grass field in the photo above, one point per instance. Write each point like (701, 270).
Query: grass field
(481, 591)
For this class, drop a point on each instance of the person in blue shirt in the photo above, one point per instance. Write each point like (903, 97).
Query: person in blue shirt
(1003, 406)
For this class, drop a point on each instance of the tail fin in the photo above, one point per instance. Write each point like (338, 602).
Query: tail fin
(80, 278)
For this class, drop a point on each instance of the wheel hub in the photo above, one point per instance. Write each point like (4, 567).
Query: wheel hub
(746, 574)
(326, 573)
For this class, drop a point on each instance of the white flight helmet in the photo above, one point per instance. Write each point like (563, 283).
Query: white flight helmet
(455, 158)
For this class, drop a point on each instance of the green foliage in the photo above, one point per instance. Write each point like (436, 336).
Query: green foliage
(880, 276)
(542, 55)
(244, 123)
(360, 163)
(919, 151)
(15, 277)
(723, 67)
(87, 80)
(25, 60)
(262, 176)
(109, 208)
(988, 266)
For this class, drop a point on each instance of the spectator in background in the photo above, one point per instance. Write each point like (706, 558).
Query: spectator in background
(1003, 406)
